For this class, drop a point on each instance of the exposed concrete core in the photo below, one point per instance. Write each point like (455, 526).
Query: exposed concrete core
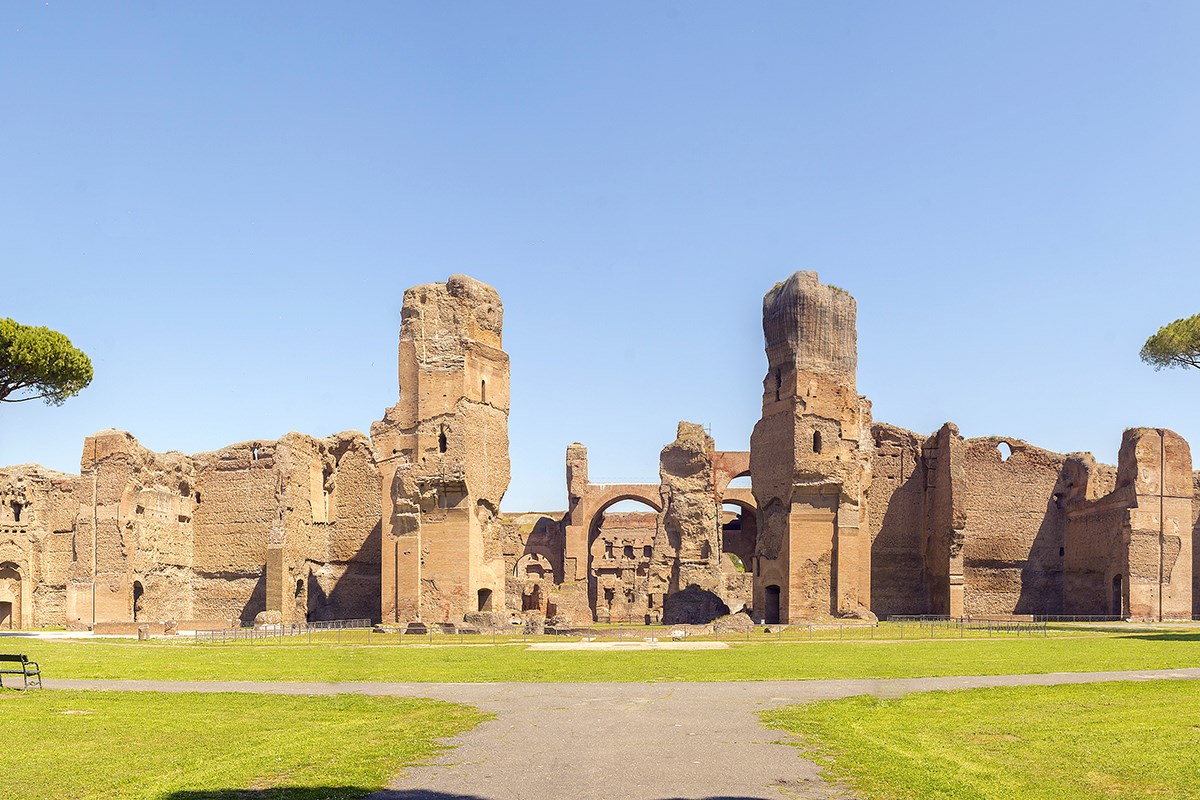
(842, 517)
(443, 456)
(810, 458)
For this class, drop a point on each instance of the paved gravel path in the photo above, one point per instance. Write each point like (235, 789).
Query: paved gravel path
(618, 741)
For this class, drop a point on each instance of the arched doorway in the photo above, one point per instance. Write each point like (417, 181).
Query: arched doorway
(771, 612)
(1118, 596)
(10, 596)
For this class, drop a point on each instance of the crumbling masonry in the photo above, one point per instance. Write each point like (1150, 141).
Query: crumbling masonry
(843, 517)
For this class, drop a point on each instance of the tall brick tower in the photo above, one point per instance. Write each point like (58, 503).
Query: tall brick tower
(443, 456)
(810, 458)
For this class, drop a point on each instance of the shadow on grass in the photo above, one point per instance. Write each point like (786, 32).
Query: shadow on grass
(351, 793)
(1164, 636)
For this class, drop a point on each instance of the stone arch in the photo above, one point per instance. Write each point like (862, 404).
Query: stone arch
(739, 536)
(605, 569)
(728, 466)
(593, 500)
(534, 564)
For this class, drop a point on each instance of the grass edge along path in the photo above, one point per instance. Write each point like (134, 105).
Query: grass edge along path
(1077, 742)
(151, 746)
(466, 664)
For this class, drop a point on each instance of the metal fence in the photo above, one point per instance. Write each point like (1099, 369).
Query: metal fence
(278, 632)
(361, 632)
(930, 624)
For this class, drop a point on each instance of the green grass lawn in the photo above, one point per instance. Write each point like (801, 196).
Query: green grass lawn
(1106, 740)
(66, 745)
(794, 661)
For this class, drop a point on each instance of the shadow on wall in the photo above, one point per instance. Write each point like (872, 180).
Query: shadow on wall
(353, 793)
(899, 584)
(258, 599)
(692, 606)
(356, 593)
(1042, 572)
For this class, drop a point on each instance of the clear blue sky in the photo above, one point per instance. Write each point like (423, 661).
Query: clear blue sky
(222, 203)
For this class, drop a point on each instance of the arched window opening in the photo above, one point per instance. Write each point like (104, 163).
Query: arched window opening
(254, 452)
(778, 383)
(299, 587)
(16, 509)
(483, 391)
(485, 599)
(442, 441)
(740, 482)
(816, 442)
(138, 592)
(1005, 449)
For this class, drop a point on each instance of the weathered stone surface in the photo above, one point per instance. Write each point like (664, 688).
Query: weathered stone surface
(267, 618)
(443, 455)
(810, 456)
(843, 518)
(739, 622)
(687, 546)
(37, 518)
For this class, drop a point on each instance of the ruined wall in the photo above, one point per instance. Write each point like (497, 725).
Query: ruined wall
(844, 517)
(1095, 539)
(1013, 540)
(443, 455)
(322, 547)
(170, 537)
(134, 535)
(238, 514)
(621, 558)
(687, 563)
(343, 564)
(37, 519)
(809, 457)
(1157, 464)
(896, 501)
(945, 520)
(532, 563)
(1130, 536)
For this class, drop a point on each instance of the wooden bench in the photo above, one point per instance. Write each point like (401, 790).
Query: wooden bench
(24, 667)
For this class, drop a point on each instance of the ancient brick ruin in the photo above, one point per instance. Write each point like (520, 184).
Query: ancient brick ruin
(843, 517)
